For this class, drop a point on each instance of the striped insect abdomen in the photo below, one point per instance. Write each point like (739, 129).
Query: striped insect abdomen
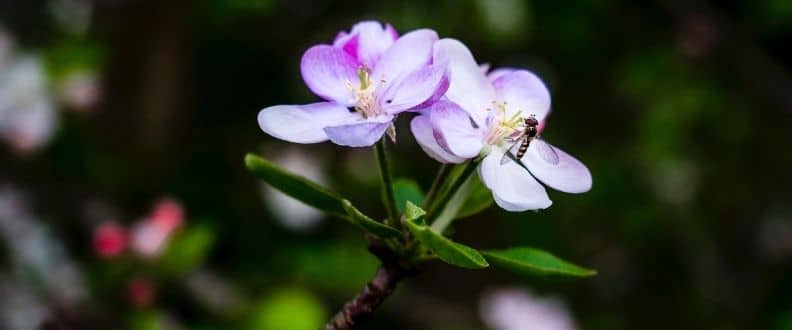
(523, 148)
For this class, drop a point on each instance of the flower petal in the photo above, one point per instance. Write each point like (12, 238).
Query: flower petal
(359, 134)
(367, 41)
(454, 130)
(408, 54)
(469, 87)
(523, 91)
(327, 71)
(513, 188)
(303, 123)
(556, 168)
(414, 89)
(422, 130)
(499, 72)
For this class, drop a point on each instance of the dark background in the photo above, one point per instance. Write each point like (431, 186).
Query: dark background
(680, 109)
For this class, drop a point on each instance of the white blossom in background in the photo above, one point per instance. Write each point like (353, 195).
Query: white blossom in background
(214, 292)
(79, 90)
(518, 309)
(20, 308)
(28, 117)
(38, 259)
(289, 212)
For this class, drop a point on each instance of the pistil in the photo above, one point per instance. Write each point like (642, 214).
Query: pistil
(502, 127)
(364, 99)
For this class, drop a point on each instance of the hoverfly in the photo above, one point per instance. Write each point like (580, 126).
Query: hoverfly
(523, 140)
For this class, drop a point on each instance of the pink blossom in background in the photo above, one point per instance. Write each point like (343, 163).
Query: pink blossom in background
(147, 239)
(109, 239)
(168, 215)
(151, 235)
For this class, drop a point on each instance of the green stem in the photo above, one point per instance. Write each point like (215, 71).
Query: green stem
(439, 180)
(387, 184)
(438, 208)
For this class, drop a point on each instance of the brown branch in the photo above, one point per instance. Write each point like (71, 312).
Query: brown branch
(376, 291)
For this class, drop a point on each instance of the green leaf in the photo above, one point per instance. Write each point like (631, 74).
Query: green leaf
(445, 249)
(315, 195)
(295, 186)
(368, 224)
(407, 190)
(478, 198)
(414, 213)
(186, 251)
(531, 261)
(471, 198)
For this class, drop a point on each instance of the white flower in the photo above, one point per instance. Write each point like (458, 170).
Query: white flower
(27, 114)
(516, 309)
(289, 212)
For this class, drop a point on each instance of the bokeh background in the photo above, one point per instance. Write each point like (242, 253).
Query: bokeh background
(127, 120)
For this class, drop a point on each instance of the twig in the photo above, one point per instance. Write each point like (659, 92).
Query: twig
(376, 291)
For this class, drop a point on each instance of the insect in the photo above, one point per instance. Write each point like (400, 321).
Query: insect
(523, 140)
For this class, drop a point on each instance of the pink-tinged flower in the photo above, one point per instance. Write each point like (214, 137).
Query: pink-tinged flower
(109, 239)
(168, 215)
(151, 235)
(515, 309)
(485, 116)
(148, 240)
(367, 77)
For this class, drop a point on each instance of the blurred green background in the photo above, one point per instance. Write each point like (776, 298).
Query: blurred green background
(682, 110)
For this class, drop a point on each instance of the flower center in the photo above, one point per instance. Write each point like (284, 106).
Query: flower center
(502, 127)
(363, 93)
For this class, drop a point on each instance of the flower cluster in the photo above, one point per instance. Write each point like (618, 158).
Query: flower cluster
(148, 238)
(370, 75)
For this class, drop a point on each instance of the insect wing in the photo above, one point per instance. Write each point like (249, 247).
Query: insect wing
(509, 155)
(546, 152)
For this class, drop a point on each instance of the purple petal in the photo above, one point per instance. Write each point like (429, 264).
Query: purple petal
(454, 130)
(523, 91)
(408, 54)
(367, 41)
(414, 89)
(513, 188)
(340, 39)
(499, 72)
(303, 123)
(556, 168)
(469, 87)
(327, 71)
(422, 130)
(360, 134)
